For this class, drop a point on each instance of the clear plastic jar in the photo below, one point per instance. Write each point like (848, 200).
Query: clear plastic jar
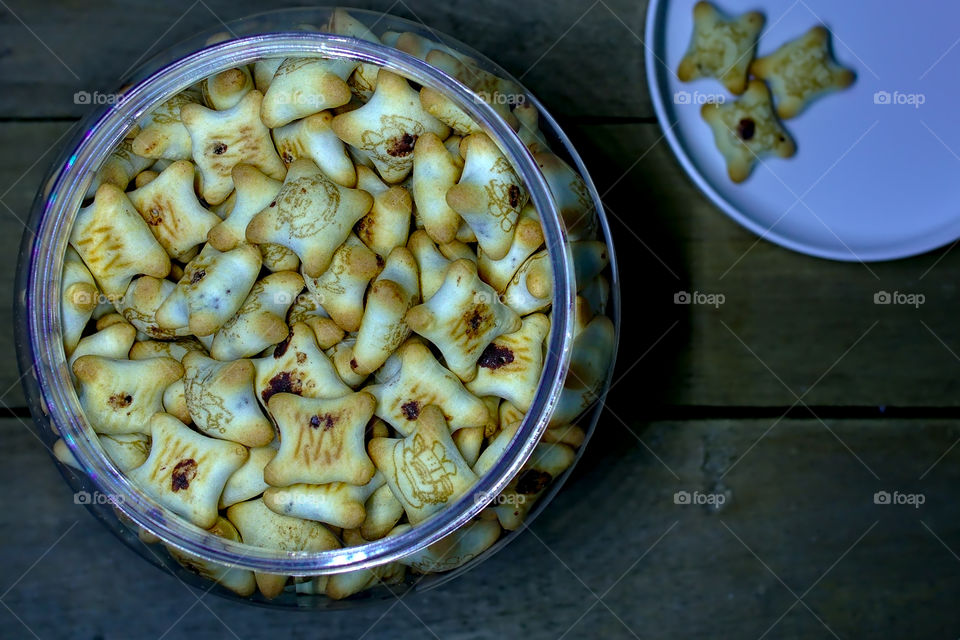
(48, 385)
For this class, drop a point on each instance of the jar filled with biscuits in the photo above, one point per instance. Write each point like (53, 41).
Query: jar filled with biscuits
(323, 307)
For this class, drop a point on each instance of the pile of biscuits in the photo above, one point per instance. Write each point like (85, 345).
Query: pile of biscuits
(306, 307)
(797, 73)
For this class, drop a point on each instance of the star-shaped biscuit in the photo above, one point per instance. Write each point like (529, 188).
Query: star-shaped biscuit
(220, 399)
(431, 263)
(212, 289)
(261, 527)
(387, 225)
(462, 317)
(425, 470)
(261, 320)
(311, 215)
(170, 208)
(313, 138)
(186, 471)
(455, 550)
(120, 396)
(304, 86)
(240, 581)
(162, 134)
(800, 71)
(336, 503)
(223, 139)
(721, 48)
(387, 127)
(412, 379)
(489, 195)
(526, 240)
(115, 243)
(510, 366)
(745, 130)
(321, 440)
(297, 366)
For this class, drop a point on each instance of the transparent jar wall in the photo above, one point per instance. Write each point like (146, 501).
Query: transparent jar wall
(279, 21)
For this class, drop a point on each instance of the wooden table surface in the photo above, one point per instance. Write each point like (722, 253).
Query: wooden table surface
(797, 399)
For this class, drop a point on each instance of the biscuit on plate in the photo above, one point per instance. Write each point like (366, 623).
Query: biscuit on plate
(721, 48)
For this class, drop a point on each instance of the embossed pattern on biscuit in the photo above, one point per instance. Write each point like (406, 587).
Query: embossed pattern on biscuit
(488, 196)
(223, 139)
(321, 440)
(510, 366)
(170, 208)
(311, 216)
(462, 317)
(220, 399)
(186, 471)
(140, 303)
(800, 71)
(120, 396)
(115, 243)
(721, 48)
(424, 470)
(387, 127)
(746, 130)
(413, 379)
(296, 365)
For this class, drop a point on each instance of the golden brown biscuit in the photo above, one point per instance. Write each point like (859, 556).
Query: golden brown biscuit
(115, 243)
(186, 471)
(462, 317)
(304, 86)
(425, 470)
(721, 48)
(311, 216)
(800, 71)
(321, 440)
(223, 139)
(170, 208)
(387, 127)
(120, 396)
(746, 130)
(220, 399)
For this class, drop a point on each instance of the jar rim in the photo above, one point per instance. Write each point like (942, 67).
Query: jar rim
(61, 201)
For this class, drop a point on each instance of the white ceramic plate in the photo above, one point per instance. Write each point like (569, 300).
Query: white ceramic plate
(876, 175)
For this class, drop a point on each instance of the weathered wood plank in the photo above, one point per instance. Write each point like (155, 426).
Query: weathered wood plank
(787, 320)
(581, 58)
(799, 500)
